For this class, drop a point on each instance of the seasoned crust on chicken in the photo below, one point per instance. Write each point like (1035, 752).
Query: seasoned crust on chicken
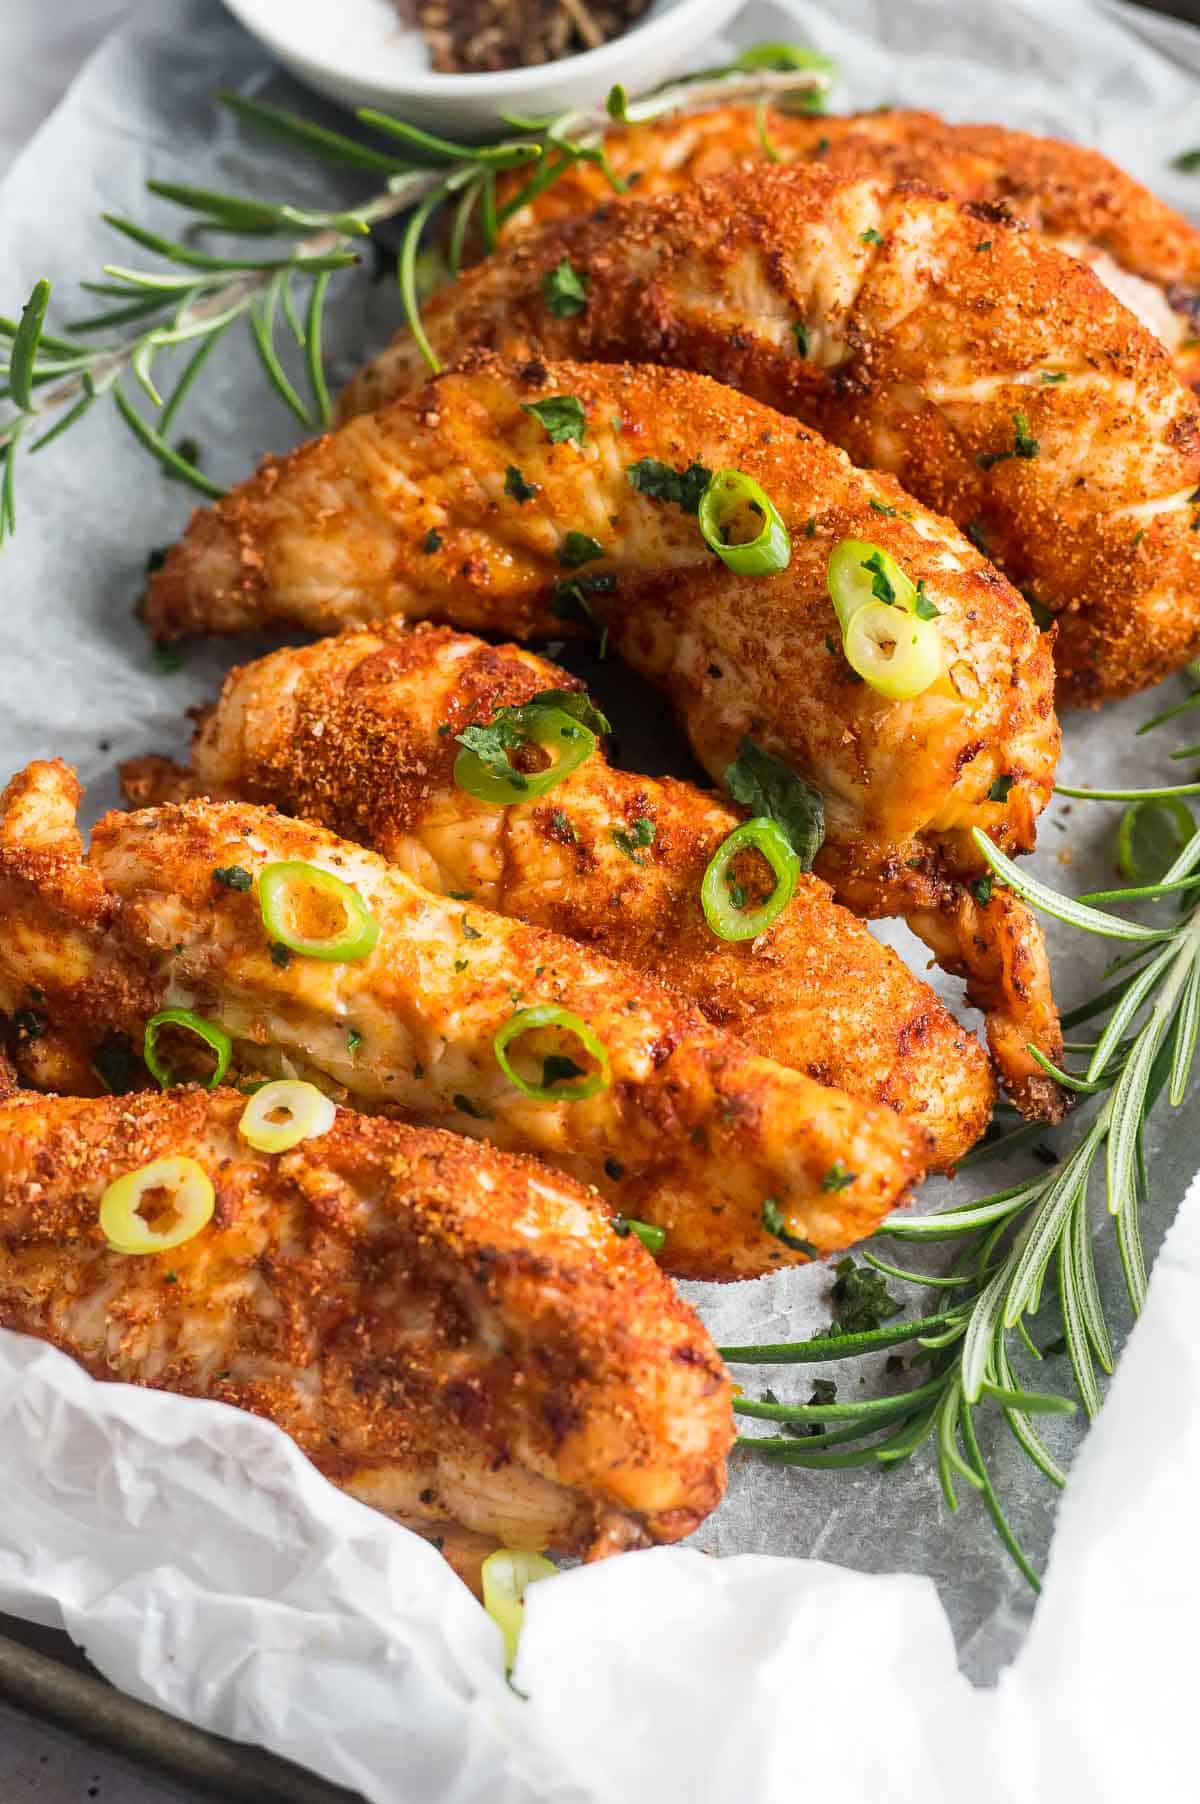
(996, 379)
(448, 1332)
(407, 512)
(1148, 254)
(693, 1132)
(350, 732)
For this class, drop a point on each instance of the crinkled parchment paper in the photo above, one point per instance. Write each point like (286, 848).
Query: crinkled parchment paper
(194, 1553)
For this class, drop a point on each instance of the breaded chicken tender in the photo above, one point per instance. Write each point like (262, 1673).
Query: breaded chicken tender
(1144, 251)
(359, 734)
(412, 511)
(451, 1334)
(997, 379)
(676, 1122)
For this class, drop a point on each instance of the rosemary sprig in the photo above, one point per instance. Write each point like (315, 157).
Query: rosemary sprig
(1012, 1243)
(200, 294)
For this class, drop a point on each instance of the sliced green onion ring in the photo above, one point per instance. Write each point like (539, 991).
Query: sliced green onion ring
(568, 741)
(191, 1197)
(743, 526)
(358, 933)
(213, 1037)
(1150, 837)
(652, 1238)
(507, 1574)
(860, 573)
(893, 651)
(727, 920)
(549, 1014)
(284, 1112)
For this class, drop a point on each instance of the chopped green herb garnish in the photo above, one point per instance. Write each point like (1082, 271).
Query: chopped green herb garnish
(772, 1221)
(923, 608)
(810, 528)
(765, 785)
(999, 792)
(614, 1169)
(565, 290)
(1187, 162)
(837, 1177)
(353, 1040)
(663, 483)
(465, 1106)
(562, 416)
(578, 548)
(232, 876)
(1042, 615)
(801, 335)
(861, 1299)
(469, 932)
(870, 236)
(561, 824)
(1024, 445)
(985, 244)
(461, 964)
(169, 658)
(557, 1068)
(1054, 375)
(631, 840)
(881, 507)
(882, 586)
(280, 955)
(516, 485)
(982, 889)
(433, 541)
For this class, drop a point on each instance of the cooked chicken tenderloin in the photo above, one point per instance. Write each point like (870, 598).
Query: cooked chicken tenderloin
(1144, 251)
(359, 734)
(411, 512)
(691, 1131)
(998, 380)
(449, 1333)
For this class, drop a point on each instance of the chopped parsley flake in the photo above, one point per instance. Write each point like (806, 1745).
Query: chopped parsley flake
(516, 485)
(923, 608)
(837, 1177)
(982, 889)
(663, 483)
(469, 932)
(801, 335)
(765, 785)
(1024, 445)
(1054, 375)
(861, 1299)
(631, 840)
(881, 583)
(870, 236)
(565, 290)
(465, 1106)
(562, 824)
(353, 1040)
(169, 659)
(433, 541)
(772, 1221)
(232, 876)
(985, 244)
(881, 507)
(614, 1169)
(578, 548)
(461, 964)
(999, 791)
(280, 955)
(562, 416)
(557, 1068)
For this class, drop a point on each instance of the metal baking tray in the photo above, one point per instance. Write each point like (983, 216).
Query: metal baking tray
(44, 1675)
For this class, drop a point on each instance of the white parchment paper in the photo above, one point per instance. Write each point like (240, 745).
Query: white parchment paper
(194, 1553)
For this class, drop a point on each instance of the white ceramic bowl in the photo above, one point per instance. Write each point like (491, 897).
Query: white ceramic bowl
(360, 53)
